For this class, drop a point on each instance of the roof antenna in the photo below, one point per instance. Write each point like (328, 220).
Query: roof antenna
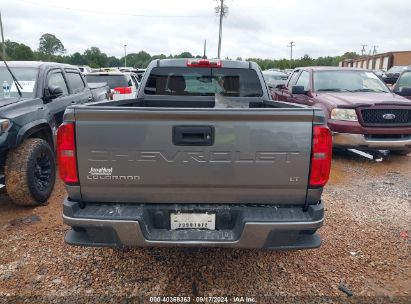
(16, 82)
(2, 38)
(205, 46)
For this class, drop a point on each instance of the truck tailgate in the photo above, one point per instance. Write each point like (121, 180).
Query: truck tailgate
(158, 155)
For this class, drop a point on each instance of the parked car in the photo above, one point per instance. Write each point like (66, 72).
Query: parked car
(274, 78)
(403, 85)
(393, 73)
(85, 69)
(122, 85)
(29, 121)
(288, 71)
(202, 157)
(362, 113)
(126, 69)
(379, 72)
(140, 73)
(274, 70)
(108, 69)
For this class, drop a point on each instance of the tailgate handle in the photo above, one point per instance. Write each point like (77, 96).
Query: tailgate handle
(193, 135)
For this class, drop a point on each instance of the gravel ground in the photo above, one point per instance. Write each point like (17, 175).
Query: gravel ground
(366, 247)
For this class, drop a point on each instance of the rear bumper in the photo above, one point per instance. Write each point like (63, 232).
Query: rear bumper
(360, 141)
(237, 226)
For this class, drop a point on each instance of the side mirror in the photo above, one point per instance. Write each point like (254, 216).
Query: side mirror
(55, 91)
(404, 91)
(297, 90)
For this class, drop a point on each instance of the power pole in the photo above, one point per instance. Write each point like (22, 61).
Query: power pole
(125, 56)
(221, 10)
(205, 47)
(363, 49)
(374, 51)
(291, 45)
(2, 38)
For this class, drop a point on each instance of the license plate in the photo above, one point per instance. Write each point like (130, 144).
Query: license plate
(192, 221)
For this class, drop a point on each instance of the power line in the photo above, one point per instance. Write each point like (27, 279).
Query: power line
(222, 10)
(109, 13)
(291, 45)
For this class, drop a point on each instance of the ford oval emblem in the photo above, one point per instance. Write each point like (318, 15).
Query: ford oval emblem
(389, 116)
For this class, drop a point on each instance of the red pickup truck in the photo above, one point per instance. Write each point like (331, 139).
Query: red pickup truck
(361, 111)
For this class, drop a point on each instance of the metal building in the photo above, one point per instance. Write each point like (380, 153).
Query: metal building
(379, 61)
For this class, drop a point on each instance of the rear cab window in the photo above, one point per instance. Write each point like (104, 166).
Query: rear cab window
(191, 81)
(75, 81)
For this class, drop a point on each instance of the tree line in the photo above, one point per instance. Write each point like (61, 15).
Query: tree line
(52, 49)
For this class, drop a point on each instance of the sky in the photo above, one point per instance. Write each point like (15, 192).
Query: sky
(253, 28)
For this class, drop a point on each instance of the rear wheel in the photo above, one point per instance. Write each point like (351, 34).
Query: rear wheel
(30, 172)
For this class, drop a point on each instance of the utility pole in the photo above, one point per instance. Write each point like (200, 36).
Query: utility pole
(221, 10)
(125, 56)
(2, 38)
(291, 45)
(205, 47)
(374, 51)
(363, 49)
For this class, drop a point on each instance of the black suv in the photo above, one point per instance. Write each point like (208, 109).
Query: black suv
(30, 113)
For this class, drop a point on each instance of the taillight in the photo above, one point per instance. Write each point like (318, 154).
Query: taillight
(66, 153)
(321, 156)
(122, 90)
(204, 63)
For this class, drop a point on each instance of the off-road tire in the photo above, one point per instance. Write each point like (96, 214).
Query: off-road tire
(23, 184)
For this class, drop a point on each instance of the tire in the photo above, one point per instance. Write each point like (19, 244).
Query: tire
(30, 172)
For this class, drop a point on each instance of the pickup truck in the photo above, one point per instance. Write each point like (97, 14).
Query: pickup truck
(29, 121)
(362, 113)
(391, 76)
(202, 157)
(403, 85)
